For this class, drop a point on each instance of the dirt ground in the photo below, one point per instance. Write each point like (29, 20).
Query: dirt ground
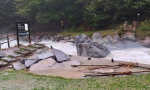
(76, 73)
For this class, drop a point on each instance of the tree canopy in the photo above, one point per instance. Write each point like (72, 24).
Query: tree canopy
(97, 14)
(7, 11)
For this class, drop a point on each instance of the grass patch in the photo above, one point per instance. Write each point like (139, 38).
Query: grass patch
(16, 52)
(19, 80)
(10, 56)
(1, 60)
(89, 33)
(22, 49)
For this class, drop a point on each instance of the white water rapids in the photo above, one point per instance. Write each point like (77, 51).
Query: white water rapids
(140, 54)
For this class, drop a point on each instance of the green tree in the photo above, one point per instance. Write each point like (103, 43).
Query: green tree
(100, 13)
(6, 11)
(46, 11)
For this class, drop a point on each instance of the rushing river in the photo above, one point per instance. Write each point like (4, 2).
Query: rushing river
(135, 54)
(140, 55)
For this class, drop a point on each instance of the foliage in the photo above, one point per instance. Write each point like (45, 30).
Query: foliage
(96, 14)
(80, 29)
(120, 30)
(89, 33)
(144, 29)
(144, 26)
(100, 13)
(10, 56)
(7, 14)
(46, 11)
(72, 29)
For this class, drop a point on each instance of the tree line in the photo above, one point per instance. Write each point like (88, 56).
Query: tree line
(97, 14)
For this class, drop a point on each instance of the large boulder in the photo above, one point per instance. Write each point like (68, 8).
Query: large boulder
(45, 55)
(128, 37)
(8, 59)
(85, 47)
(108, 39)
(60, 56)
(65, 65)
(116, 39)
(97, 38)
(43, 65)
(31, 61)
(146, 42)
(66, 38)
(105, 40)
(18, 66)
(70, 40)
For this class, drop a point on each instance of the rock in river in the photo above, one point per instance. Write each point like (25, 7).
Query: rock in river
(85, 47)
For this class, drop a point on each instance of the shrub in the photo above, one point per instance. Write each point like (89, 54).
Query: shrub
(120, 30)
(80, 29)
(144, 29)
(144, 26)
(72, 29)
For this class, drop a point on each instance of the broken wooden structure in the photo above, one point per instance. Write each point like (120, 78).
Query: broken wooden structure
(8, 40)
(91, 70)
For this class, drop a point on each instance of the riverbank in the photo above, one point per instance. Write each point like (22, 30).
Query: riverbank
(20, 80)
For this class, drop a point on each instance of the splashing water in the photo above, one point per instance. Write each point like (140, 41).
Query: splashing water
(13, 43)
(67, 47)
(140, 55)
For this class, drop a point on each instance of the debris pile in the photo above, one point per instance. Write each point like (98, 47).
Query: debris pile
(34, 56)
(112, 70)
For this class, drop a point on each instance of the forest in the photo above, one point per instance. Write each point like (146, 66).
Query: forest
(88, 14)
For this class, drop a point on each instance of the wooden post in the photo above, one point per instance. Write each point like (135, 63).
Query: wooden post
(0, 44)
(8, 41)
(17, 36)
(29, 34)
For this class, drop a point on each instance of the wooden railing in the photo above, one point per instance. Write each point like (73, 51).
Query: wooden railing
(8, 40)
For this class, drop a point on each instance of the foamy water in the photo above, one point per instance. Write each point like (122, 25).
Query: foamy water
(140, 54)
(67, 47)
(13, 43)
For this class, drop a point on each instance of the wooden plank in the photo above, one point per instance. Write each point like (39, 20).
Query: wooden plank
(94, 65)
(105, 66)
(114, 73)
